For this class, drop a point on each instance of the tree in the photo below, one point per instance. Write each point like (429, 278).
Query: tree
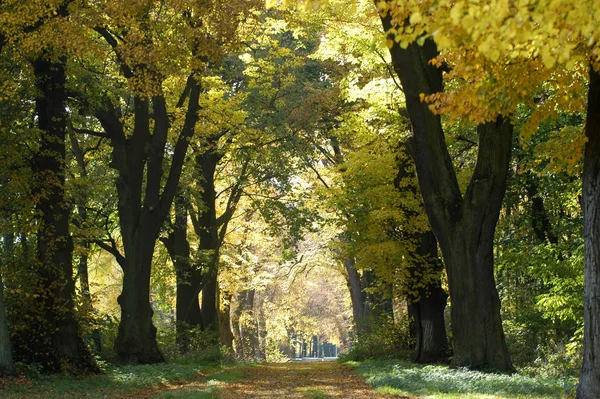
(589, 384)
(465, 226)
(55, 245)
(145, 192)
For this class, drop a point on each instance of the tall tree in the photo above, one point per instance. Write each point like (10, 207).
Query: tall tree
(54, 244)
(144, 203)
(464, 226)
(589, 383)
(140, 36)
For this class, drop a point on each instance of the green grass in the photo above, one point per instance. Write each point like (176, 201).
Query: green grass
(315, 394)
(209, 390)
(116, 381)
(441, 382)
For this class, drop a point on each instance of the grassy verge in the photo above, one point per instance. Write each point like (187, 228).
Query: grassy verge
(440, 382)
(160, 381)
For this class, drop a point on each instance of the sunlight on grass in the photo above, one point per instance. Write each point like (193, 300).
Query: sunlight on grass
(441, 382)
(116, 380)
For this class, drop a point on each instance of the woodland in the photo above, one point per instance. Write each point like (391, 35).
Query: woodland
(239, 180)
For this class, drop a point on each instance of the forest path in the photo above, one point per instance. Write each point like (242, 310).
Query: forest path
(318, 380)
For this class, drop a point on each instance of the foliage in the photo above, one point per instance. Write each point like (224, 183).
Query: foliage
(390, 339)
(204, 344)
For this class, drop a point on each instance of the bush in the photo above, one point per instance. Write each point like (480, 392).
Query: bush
(203, 346)
(386, 339)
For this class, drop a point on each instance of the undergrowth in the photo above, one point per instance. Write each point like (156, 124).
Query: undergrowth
(441, 382)
(116, 381)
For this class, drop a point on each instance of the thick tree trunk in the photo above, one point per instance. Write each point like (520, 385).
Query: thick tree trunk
(467, 247)
(431, 344)
(589, 383)
(463, 227)
(136, 340)
(7, 366)
(55, 245)
(145, 198)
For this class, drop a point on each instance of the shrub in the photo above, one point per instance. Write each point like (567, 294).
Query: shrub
(386, 339)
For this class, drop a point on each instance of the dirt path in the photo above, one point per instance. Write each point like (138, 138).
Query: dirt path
(317, 380)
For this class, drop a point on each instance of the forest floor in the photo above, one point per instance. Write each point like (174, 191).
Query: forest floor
(300, 380)
(316, 380)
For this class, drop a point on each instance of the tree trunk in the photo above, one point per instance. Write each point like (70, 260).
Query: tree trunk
(210, 309)
(540, 222)
(82, 267)
(467, 246)
(360, 310)
(589, 383)
(208, 233)
(248, 328)
(225, 333)
(464, 227)
(427, 306)
(427, 310)
(7, 366)
(55, 245)
(236, 314)
(144, 201)
(136, 339)
(188, 277)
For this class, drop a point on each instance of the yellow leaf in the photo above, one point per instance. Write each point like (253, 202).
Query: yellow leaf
(456, 13)
(415, 18)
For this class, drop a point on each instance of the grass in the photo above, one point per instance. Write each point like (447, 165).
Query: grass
(128, 381)
(206, 390)
(315, 394)
(441, 382)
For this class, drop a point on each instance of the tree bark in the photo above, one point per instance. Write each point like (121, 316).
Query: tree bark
(464, 227)
(210, 307)
(208, 233)
(55, 246)
(7, 366)
(431, 344)
(589, 383)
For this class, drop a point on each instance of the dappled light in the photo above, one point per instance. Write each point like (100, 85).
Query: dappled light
(300, 199)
